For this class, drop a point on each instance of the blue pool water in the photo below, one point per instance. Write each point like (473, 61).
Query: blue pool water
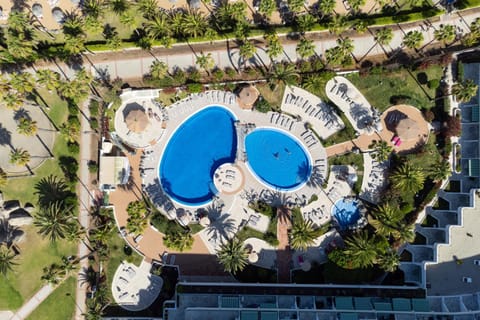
(277, 159)
(346, 212)
(199, 146)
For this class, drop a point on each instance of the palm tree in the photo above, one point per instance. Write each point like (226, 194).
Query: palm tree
(158, 26)
(19, 157)
(113, 41)
(274, 46)
(205, 62)
(7, 260)
(326, 7)
(340, 54)
(12, 100)
(74, 45)
(464, 91)
(22, 82)
(440, 170)
(3, 178)
(73, 24)
(53, 221)
(93, 9)
(52, 274)
(50, 190)
(158, 69)
(445, 33)
(305, 48)
(413, 39)
(338, 24)
(381, 150)
(295, 6)
(283, 73)
(267, 7)
(405, 233)
(302, 234)
(27, 127)
(70, 131)
(48, 79)
(386, 219)
(315, 83)
(408, 178)
(384, 36)
(119, 7)
(389, 260)
(194, 23)
(356, 4)
(246, 51)
(233, 255)
(305, 22)
(147, 8)
(68, 265)
(361, 249)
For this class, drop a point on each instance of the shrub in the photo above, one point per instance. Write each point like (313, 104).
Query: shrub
(433, 84)
(72, 108)
(453, 127)
(262, 105)
(428, 115)
(218, 75)
(73, 148)
(93, 108)
(179, 77)
(231, 73)
(94, 123)
(92, 166)
(194, 76)
(195, 87)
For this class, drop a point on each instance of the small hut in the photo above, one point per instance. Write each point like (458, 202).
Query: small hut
(247, 97)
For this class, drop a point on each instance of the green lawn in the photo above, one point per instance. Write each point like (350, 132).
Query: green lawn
(35, 254)
(60, 305)
(117, 255)
(274, 97)
(383, 89)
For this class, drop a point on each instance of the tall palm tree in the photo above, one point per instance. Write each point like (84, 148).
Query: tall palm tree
(361, 249)
(326, 7)
(445, 33)
(381, 150)
(338, 24)
(408, 178)
(147, 8)
(205, 62)
(180, 241)
(119, 7)
(305, 48)
(246, 51)
(73, 24)
(274, 46)
(389, 261)
(405, 233)
(386, 219)
(356, 5)
(283, 73)
(27, 127)
(440, 170)
(233, 255)
(194, 23)
(50, 189)
(52, 274)
(3, 178)
(158, 26)
(7, 260)
(93, 9)
(315, 83)
(74, 45)
(53, 221)
(22, 82)
(19, 157)
(70, 131)
(158, 69)
(302, 234)
(48, 79)
(12, 100)
(384, 36)
(295, 6)
(305, 22)
(413, 39)
(68, 265)
(464, 91)
(267, 7)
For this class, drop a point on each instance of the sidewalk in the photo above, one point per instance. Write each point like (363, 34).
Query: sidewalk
(33, 303)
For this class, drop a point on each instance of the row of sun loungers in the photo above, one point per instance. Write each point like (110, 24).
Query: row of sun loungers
(309, 138)
(281, 120)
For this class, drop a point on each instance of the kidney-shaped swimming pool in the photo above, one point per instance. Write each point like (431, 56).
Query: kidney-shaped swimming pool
(277, 159)
(199, 146)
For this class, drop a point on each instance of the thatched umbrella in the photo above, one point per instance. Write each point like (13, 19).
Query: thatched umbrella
(136, 121)
(407, 129)
(247, 97)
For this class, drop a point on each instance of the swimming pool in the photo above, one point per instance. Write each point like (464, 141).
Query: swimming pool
(346, 212)
(200, 145)
(277, 159)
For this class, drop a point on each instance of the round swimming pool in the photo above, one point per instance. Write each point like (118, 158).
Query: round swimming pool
(199, 146)
(346, 212)
(277, 159)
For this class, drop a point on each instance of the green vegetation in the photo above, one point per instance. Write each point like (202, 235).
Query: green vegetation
(60, 305)
(233, 255)
(36, 253)
(351, 159)
(402, 86)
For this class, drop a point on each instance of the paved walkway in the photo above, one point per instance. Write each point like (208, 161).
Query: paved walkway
(33, 303)
(284, 253)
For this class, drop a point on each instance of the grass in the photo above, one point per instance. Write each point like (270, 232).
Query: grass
(60, 305)
(385, 88)
(274, 97)
(35, 254)
(116, 256)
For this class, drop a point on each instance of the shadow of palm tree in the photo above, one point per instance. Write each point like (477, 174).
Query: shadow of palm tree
(51, 189)
(21, 113)
(222, 227)
(316, 178)
(5, 137)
